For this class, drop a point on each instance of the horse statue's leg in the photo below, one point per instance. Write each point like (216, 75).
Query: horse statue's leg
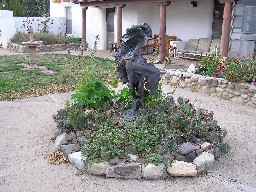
(141, 89)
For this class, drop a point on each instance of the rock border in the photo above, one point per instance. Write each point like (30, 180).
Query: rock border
(43, 48)
(190, 161)
(240, 93)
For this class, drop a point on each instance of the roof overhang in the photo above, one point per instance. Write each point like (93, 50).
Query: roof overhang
(102, 3)
(226, 1)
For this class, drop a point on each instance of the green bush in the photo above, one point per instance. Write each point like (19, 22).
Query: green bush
(232, 69)
(50, 39)
(76, 40)
(92, 93)
(18, 38)
(47, 38)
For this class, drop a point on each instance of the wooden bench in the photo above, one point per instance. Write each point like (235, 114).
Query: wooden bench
(154, 43)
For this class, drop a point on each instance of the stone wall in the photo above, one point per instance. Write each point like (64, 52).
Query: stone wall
(241, 93)
(243, 33)
(43, 48)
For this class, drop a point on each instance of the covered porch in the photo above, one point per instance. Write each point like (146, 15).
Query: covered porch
(165, 15)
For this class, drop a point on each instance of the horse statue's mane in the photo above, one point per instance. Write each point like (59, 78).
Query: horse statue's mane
(132, 67)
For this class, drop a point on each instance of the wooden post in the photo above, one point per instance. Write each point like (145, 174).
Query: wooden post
(226, 27)
(162, 32)
(84, 44)
(119, 12)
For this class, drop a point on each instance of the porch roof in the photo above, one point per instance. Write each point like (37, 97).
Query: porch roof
(98, 3)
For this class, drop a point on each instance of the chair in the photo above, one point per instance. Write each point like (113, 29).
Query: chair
(203, 47)
(190, 46)
(154, 43)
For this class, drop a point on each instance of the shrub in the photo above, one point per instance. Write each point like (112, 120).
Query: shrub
(50, 39)
(18, 38)
(47, 38)
(92, 93)
(76, 40)
(232, 69)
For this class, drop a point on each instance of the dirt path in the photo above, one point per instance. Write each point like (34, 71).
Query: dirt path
(26, 127)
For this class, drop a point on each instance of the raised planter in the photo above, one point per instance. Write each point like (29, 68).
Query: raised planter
(241, 93)
(205, 154)
(43, 48)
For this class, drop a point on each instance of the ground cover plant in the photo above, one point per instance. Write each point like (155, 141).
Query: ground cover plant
(16, 83)
(240, 70)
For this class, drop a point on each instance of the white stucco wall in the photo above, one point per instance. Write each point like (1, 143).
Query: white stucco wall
(56, 25)
(57, 9)
(95, 22)
(7, 27)
(183, 20)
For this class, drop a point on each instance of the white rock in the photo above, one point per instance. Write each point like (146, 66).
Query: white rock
(178, 73)
(133, 157)
(76, 159)
(98, 168)
(203, 161)
(152, 171)
(181, 168)
(58, 140)
(191, 68)
(188, 74)
(205, 146)
(171, 72)
(182, 84)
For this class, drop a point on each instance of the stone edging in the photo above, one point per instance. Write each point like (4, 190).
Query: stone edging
(43, 48)
(241, 93)
(136, 168)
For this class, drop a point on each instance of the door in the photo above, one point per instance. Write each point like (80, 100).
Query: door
(68, 20)
(110, 13)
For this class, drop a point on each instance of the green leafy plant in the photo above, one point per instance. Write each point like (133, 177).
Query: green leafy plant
(91, 93)
(224, 147)
(124, 96)
(230, 68)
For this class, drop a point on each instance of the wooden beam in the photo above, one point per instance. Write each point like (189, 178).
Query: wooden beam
(162, 32)
(114, 3)
(226, 27)
(84, 28)
(226, 1)
(119, 13)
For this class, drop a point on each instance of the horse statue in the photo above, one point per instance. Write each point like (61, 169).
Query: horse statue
(133, 68)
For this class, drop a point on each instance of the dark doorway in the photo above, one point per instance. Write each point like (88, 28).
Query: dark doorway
(110, 15)
(69, 20)
(217, 19)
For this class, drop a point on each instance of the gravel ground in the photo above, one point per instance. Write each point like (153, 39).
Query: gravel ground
(26, 127)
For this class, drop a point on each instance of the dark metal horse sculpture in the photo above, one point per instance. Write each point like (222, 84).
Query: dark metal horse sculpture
(133, 68)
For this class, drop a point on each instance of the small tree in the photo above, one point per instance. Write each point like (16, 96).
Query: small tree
(36, 8)
(15, 6)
